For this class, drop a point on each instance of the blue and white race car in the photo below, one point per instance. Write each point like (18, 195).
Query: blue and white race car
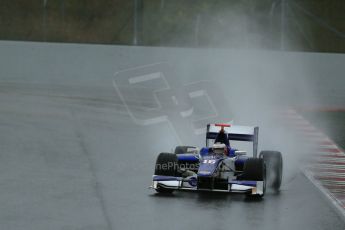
(218, 166)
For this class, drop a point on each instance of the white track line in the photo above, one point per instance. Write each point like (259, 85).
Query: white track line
(327, 169)
(331, 198)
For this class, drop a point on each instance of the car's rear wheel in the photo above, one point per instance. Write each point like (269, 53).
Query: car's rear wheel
(191, 165)
(166, 165)
(274, 164)
(182, 149)
(255, 170)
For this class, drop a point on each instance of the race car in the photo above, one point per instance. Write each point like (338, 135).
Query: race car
(219, 167)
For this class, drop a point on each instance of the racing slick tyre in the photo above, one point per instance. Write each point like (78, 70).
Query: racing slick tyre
(166, 165)
(182, 149)
(255, 170)
(274, 164)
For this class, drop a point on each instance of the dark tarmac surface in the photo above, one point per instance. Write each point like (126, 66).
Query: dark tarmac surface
(72, 158)
(68, 164)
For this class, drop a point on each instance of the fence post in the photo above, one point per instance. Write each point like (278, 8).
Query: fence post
(45, 2)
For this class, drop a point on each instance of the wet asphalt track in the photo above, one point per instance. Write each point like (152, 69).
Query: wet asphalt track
(72, 159)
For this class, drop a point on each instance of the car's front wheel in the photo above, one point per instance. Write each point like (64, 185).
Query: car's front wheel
(166, 165)
(255, 170)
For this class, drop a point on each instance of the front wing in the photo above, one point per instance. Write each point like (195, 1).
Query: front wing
(190, 183)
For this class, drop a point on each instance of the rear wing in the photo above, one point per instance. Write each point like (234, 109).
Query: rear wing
(235, 133)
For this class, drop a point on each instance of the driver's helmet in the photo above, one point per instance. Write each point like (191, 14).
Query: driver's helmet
(219, 148)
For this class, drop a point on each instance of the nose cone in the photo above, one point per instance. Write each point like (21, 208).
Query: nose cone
(208, 166)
